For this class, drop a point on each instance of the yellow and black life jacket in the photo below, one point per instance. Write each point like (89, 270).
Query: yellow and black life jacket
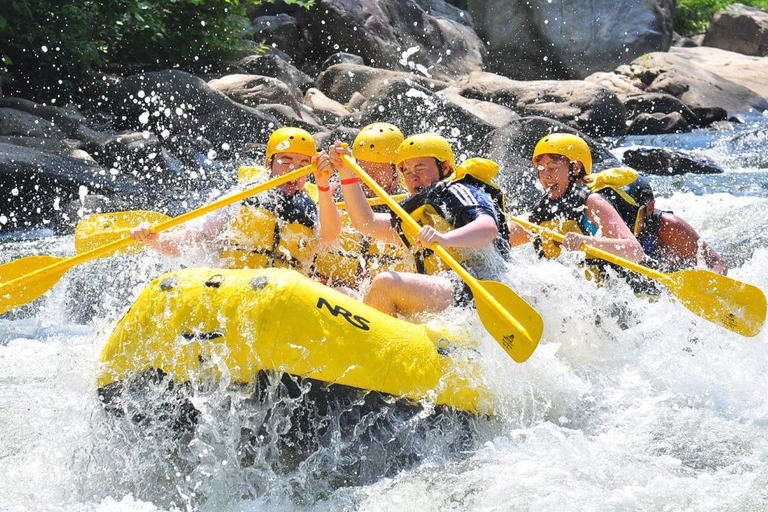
(271, 229)
(444, 204)
(568, 213)
(355, 256)
(255, 242)
(628, 196)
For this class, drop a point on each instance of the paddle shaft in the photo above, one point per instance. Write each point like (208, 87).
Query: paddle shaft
(67, 263)
(594, 252)
(477, 290)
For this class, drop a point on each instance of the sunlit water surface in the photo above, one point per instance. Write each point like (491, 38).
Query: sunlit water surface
(625, 405)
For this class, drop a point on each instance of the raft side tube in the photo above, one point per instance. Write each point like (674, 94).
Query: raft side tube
(213, 323)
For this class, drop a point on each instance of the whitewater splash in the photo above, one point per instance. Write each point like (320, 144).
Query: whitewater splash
(626, 404)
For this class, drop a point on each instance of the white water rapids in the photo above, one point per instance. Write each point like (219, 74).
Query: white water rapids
(625, 405)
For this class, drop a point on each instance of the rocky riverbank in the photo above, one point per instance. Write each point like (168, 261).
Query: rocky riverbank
(490, 77)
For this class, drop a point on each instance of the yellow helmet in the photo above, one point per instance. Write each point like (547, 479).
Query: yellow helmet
(290, 140)
(426, 144)
(571, 146)
(377, 142)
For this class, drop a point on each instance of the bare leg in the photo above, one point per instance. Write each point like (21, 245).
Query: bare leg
(406, 293)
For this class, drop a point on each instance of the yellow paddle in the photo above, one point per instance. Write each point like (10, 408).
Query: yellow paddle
(26, 279)
(518, 335)
(101, 228)
(722, 300)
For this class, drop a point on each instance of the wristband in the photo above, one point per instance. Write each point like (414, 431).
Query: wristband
(324, 189)
(350, 181)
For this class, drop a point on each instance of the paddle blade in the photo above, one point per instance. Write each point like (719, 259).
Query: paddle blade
(737, 306)
(13, 295)
(519, 330)
(102, 228)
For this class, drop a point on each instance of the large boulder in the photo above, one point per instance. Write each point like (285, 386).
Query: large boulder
(173, 103)
(37, 186)
(272, 64)
(739, 28)
(650, 124)
(284, 32)
(432, 38)
(585, 106)
(255, 90)
(569, 38)
(342, 81)
(24, 124)
(750, 72)
(65, 119)
(329, 111)
(698, 88)
(666, 162)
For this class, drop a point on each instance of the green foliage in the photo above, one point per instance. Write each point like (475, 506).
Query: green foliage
(693, 16)
(52, 45)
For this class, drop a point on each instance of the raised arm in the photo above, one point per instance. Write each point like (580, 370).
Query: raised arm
(376, 225)
(330, 219)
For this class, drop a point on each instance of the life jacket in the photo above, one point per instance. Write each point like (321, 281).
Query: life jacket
(355, 256)
(568, 213)
(563, 215)
(438, 207)
(271, 229)
(629, 192)
(344, 262)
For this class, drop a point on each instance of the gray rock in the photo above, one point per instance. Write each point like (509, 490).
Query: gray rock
(286, 116)
(343, 58)
(582, 105)
(60, 147)
(37, 185)
(698, 88)
(396, 34)
(569, 38)
(666, 162)
(657, 123)
(682, 41)
(657, 103)
(66, 119)
(342, 81)
(284, 32)
(18, 122)
(272, 65)
(254, 90)
(327, 110)
(417, 109)
(744, 70)
(493, 114)
(175, 104)
(739, 28)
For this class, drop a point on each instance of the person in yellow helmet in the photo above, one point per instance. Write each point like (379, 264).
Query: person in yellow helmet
(375, 150)
(356, 258)
(271, 229)
(459, 215)
(564, 162)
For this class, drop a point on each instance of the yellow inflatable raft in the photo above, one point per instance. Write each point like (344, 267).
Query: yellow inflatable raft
(201, 324)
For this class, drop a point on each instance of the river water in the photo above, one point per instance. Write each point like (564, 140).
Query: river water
(625, 405)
